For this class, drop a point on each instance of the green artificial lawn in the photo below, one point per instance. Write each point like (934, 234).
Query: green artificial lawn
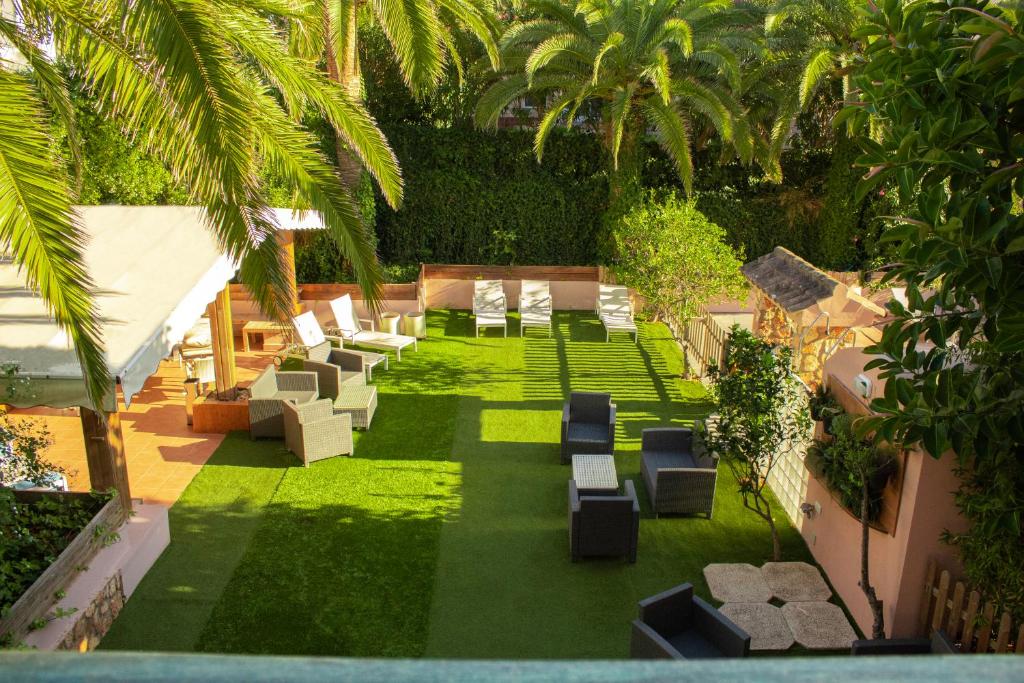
(446, 534)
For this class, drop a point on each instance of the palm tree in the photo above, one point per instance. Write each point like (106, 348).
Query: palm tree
(671, 66)
(824, 29)
(193, 75)
(421, 34)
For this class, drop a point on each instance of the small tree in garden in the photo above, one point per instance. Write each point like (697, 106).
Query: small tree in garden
(676, 258)
(858, 471)
(762, 414)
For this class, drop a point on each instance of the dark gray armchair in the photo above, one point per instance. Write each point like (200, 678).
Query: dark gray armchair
(938, 644)
(678, 625)
(679, 474)
(603, 526)
(588, 425)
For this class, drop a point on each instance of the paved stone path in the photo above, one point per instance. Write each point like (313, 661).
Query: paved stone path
(795, 582)
(806, 617)
(737, 582)
(819, 625)
(765, 624)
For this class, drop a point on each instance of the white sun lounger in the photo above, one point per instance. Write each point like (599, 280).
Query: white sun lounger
(534, 305)
(489, 305)
(615, 310)
(312, 337)
(350, 328)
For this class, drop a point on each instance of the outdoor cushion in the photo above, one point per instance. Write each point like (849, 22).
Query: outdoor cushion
(297, 396)
(692, 645)
(587, 431)
(665, 460)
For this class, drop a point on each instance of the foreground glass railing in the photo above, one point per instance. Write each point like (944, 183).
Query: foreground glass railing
(107, 667)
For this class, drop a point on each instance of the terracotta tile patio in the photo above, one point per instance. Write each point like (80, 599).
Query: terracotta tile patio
(163, 452)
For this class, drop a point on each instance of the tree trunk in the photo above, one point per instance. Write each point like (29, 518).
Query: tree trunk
(878, 626)
(344, 69)
(776, 543)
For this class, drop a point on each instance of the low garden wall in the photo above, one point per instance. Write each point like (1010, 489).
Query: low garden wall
(98, 587)
(573, 288)
(39, 598)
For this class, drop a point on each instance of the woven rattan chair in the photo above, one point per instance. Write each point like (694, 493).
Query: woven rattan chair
(268, 394)
(313, 432)
(603, 526)
(588, 425)
(680, 476)
(334, 369)
(677, 624)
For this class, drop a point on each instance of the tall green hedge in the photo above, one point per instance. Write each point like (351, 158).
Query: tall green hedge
(476, 197)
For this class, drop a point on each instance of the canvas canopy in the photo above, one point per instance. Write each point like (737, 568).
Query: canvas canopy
(155, 269)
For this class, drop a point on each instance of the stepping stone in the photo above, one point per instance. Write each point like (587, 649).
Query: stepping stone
(737, 583)
(795, 582)
(819, 625)
(765, 624)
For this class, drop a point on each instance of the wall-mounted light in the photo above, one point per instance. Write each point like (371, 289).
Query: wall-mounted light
(811, 510)
(863, 386)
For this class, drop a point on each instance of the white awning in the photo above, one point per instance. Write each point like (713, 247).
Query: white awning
(155, 269)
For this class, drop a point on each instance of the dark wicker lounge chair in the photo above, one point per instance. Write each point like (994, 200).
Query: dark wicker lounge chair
(678, 625)
(680, 476)
(938, 644)
(588, 425)
(603, 526)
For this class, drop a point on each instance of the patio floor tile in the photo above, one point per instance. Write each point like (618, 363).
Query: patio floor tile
(737, 582)
(765, 624)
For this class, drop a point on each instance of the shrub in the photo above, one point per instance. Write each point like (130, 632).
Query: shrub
(675, 257)
(475, 197)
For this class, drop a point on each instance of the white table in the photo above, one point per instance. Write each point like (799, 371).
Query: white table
(595, 475)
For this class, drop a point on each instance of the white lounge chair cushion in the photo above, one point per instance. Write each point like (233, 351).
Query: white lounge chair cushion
(382, 340)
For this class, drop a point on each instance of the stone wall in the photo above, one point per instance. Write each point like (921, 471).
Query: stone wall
(96, 619)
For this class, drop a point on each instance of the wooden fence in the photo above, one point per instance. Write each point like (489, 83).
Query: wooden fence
(705, 340)
(431, 271)
(959, 611)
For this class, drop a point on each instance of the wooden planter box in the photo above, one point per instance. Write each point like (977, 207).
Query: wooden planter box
(211, 416)
(39, 598)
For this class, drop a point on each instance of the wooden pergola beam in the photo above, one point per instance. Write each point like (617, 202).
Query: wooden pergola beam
(223, 340)
(104, 452)
(286, 238)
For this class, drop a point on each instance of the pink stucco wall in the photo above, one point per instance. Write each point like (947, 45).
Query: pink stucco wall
(565, 295)
(898, 560)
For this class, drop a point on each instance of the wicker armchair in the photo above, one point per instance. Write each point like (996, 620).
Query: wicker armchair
(270, 392)
(348, 360)
(680, 475)
(588, 425)
(313, 432)
(677, 624)
(603, 526)
(334, 369)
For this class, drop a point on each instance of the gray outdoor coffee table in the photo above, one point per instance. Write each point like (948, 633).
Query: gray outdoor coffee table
(595, 475)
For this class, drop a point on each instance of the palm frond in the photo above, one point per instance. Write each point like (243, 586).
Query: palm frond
(818, 69)
(38, 226)
(673, 136)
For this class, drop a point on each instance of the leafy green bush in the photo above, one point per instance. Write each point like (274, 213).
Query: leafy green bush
(475, 197)
(34, 534)
(675, 257)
